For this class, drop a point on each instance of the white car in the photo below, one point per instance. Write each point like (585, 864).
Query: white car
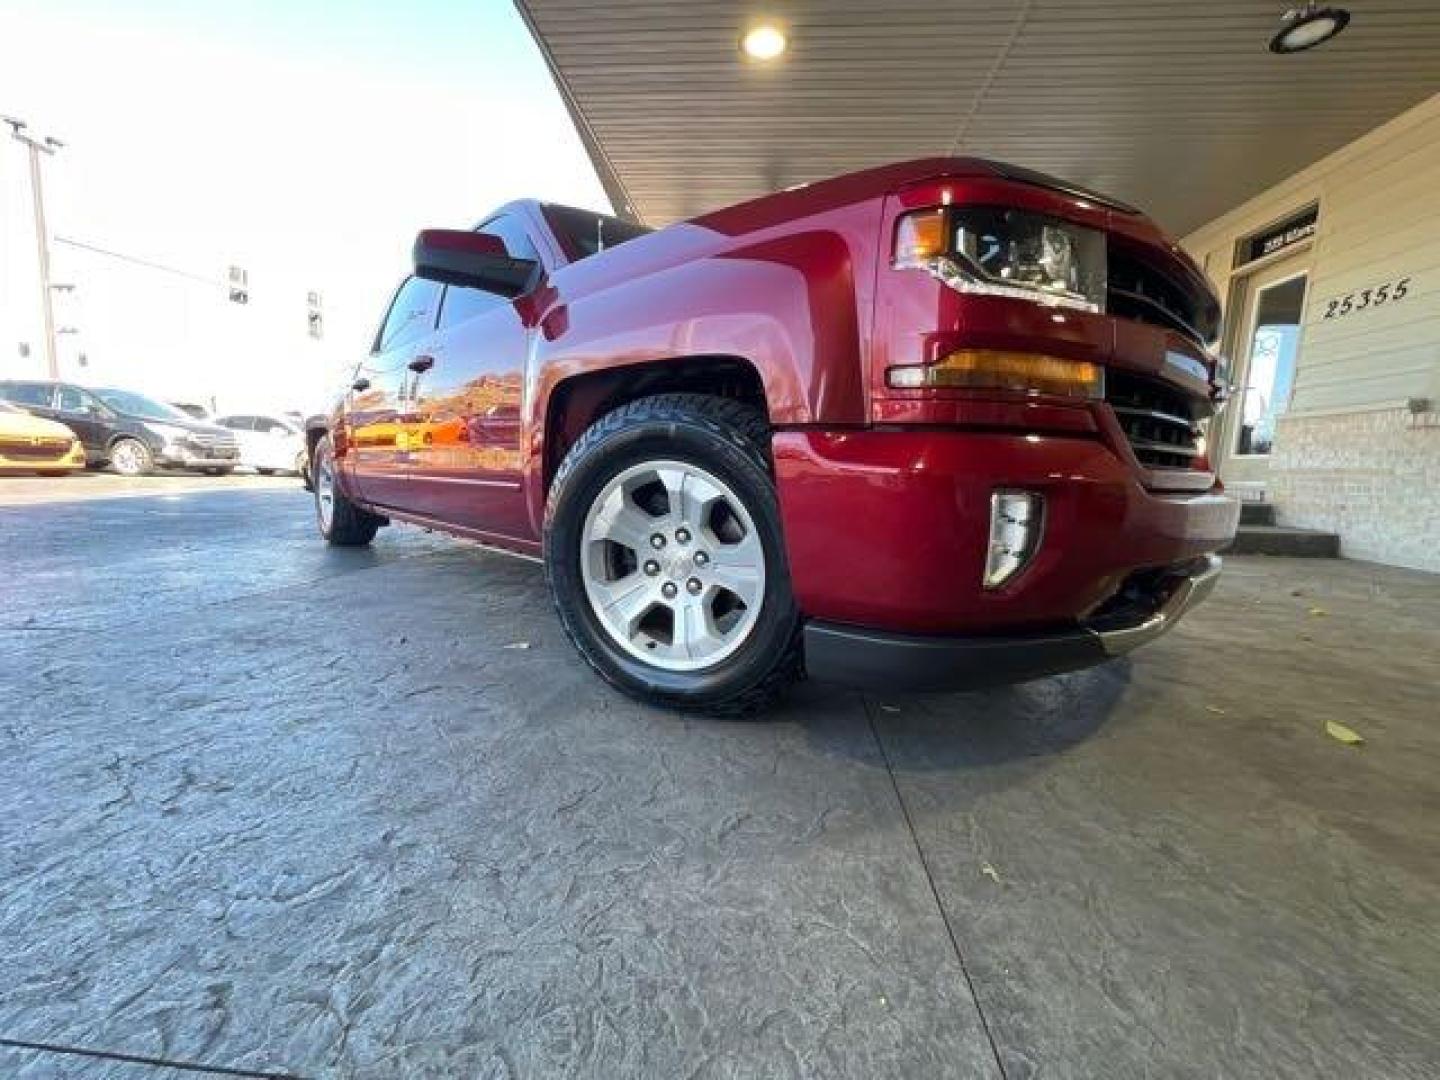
(268, 444)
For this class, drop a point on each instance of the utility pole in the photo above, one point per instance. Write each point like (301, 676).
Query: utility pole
(37, 147)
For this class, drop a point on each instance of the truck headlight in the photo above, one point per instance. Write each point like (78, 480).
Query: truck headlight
(1016, 521)
(994, 251)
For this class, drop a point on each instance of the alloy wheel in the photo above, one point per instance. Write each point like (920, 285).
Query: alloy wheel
(673, 565)
(325, 491)
(128, 458)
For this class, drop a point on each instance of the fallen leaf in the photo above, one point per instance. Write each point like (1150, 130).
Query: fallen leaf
(987, 870)
(1318, 612)
(1297, 592)
(1215, 709)
(518, 645)
(1340, 733)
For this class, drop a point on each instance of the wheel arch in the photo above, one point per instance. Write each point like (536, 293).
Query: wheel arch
(579, 401)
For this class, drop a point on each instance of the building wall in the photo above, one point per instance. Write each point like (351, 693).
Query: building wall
(1349, 455)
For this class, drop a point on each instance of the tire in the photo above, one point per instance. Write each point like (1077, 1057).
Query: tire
(265, 472)
(54, 472)
(710, 454)
(219, 472)
(131, 457)
(342, 523)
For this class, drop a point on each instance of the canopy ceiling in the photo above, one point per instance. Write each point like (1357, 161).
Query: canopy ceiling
(1174, 106)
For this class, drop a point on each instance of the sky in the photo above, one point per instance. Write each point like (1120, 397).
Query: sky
(305, 141)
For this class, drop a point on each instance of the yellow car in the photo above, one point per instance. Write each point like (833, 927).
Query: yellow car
(30, 444)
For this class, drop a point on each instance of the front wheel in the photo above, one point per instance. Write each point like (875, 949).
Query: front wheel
(131, 457)
(665, 557)
(342, 523)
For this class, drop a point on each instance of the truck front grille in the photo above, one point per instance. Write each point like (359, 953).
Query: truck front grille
(1137, 291)
(1158, 419)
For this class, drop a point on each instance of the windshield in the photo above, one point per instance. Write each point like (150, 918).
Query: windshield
(584, 232)
(132, 404)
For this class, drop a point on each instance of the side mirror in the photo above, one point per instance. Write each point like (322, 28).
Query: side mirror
(472, 260)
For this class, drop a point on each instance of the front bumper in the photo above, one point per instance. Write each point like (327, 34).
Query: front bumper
(177, 457)
(34, 458)
(875, 658)
(890, 529)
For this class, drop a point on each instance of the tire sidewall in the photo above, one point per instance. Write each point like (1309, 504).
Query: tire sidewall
(652, 440)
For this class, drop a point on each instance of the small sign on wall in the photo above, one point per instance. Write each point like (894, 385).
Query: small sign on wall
(1295, 229)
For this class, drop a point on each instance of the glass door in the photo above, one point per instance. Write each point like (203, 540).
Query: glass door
(1270, 349)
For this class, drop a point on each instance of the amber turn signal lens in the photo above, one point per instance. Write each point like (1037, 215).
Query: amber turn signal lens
(919, 237)
(989, 369)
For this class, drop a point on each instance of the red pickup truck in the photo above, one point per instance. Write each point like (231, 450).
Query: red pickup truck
(936, 424)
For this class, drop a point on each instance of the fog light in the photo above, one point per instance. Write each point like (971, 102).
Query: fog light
(1015, 527)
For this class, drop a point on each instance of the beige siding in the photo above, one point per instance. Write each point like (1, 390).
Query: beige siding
(1379, 221)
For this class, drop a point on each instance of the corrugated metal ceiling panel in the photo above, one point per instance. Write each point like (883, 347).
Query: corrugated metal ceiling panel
(1174, 105)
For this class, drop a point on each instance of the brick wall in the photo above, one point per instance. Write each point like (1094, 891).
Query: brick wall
(1371, 477)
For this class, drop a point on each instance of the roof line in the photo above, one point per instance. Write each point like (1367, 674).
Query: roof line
(620, 200)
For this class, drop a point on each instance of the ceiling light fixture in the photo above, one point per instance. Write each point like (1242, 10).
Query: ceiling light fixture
(1305, 27)
(764, 42)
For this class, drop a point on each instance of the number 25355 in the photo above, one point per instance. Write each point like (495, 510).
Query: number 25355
(1377, 295)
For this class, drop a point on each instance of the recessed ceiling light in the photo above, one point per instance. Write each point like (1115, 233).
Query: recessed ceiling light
(763, 42)
(1304, 28)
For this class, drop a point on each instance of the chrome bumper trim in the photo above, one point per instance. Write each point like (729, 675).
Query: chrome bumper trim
(1191, 591)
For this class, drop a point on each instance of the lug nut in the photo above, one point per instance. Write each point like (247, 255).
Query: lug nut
(657, 541)
(682, 536)
(669, 590)
(694, 586)
(652, 567)
(701, 559)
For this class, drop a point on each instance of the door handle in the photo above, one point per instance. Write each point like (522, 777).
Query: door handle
(360, 384)
(422, 363)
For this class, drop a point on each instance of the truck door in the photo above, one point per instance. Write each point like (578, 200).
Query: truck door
(376, 419)
(466, 457)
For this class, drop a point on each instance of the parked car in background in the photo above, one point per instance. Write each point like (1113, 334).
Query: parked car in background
(133, 433)
(33, 444)
(936, 424)
(268, 444)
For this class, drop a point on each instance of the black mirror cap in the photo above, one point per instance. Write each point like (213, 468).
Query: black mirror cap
(471, 260)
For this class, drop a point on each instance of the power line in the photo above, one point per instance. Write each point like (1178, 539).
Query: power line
(137, 261)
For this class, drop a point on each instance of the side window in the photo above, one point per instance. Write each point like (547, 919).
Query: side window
(459, 304)
(71, 400)
(412, 314)
(36, 394)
